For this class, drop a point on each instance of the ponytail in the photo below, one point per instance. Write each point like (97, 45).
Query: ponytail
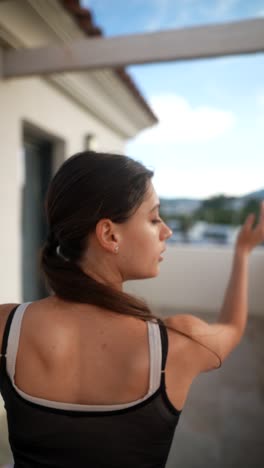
(68, 281)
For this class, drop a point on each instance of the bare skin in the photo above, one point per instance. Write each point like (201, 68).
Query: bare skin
(77, 353)
(87, 355)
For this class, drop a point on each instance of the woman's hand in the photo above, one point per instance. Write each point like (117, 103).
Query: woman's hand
(250, 237)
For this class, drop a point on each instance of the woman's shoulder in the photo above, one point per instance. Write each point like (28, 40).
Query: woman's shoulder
(186, 322)
(191, 338)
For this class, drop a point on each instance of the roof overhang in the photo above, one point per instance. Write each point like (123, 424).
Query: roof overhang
(109, 95)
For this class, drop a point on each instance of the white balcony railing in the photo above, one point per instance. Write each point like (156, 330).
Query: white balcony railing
(193, 279)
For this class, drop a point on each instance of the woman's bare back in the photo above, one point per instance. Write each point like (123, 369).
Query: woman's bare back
(79, 354)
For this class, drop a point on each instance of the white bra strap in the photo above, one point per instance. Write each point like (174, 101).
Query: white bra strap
(155, 356)
(13, 339)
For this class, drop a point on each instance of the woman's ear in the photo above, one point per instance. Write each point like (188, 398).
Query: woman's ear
(107, 235)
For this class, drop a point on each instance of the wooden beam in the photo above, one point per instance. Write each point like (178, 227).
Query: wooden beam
(243, 37)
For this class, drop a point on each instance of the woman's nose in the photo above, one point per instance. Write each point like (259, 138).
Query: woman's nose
(167, 231)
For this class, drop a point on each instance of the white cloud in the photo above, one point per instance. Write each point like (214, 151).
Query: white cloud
(260, 99)
(203, 183)
(179, 122)
(260, 113)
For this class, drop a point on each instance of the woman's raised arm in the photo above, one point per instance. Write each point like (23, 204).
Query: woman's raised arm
(220, 338)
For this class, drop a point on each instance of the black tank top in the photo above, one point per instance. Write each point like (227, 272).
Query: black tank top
(136, 437)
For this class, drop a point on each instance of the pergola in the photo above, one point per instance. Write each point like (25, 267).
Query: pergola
(235, 38)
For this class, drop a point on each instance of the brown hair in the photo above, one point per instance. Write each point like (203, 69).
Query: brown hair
(90, 186)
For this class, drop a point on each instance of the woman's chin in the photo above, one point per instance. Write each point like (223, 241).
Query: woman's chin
(154, 273)
(144, 275)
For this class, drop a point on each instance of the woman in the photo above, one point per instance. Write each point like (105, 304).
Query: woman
(89, 376)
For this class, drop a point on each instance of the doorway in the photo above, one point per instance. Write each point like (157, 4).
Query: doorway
(38, 164)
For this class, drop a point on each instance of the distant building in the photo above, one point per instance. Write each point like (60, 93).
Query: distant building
(205, 233)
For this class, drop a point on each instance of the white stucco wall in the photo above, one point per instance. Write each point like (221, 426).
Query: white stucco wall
(46, 107)
(194, 279)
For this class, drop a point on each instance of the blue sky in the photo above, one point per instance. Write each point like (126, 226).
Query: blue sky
(209, 139)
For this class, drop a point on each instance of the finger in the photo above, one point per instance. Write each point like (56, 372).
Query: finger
(249, 221)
